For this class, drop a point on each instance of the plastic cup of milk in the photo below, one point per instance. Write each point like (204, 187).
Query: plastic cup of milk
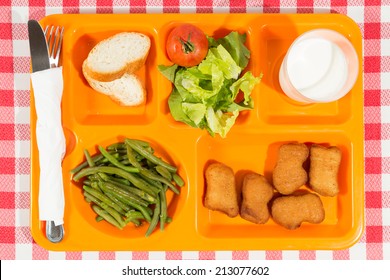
(320, 66)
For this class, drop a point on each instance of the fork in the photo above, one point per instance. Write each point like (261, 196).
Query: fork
(54, 36)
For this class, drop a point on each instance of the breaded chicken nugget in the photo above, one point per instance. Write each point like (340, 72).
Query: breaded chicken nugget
(324, 167)
(292, 210)
(256, 193)
(289, 175)
(221, 191)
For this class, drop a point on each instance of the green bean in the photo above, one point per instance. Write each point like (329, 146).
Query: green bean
(164, 172)
(106, 177)
(119, 146)
(90, 161)
(116, 146)
(136, 222)
(150, 164)
(148, 174)
(131, 190)
(116, 215)
(155, 219)
(118, 202)
(99, 218)
(103, 176)
(102, 213)
(142, 209)
(177, 179)
(94, 177)
(127, 201)
(135, 146)
(125, 162)
(96, 158)
(142, 194)
(149, 210)
(139, 157)
(129, 196)
(95, 186)
(122, 157)
(84, 164)
(117, 171)
(134, 214)
(103, 198)
(163, 205)
(104, 160)
(134, 217)
(120, 181)
(156, 185)
(87, 182)
(131, 157)
(115, 162)
(143, 143)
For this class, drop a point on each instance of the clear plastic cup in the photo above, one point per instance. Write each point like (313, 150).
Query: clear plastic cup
(320, 66)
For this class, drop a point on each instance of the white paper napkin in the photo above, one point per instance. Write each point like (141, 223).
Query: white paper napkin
(48, 85)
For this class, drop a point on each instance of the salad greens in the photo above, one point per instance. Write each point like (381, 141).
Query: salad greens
(204, 96)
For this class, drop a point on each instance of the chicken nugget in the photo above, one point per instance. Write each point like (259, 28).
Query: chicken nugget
(292, 210)
(289, 174)
(324, 167)
(221, 192)
(256, 193)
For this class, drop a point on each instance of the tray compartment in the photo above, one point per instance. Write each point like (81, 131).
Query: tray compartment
(75, 197)
(89, 107)
(273, 41)
(258, 153)
(215, 30)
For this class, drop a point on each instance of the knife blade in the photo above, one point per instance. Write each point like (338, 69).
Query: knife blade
(38, 47)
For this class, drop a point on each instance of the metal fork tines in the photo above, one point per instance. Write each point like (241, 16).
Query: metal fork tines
(54, 36)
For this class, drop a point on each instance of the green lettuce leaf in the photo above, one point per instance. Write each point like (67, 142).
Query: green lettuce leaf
(219, 122)
(169, 72)
(240, 106)
(246, 84)
(234, 44)
(175, 106)
(194, 89)
(194, 111)
(219, 59)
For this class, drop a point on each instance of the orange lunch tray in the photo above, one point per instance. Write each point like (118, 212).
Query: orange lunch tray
(91, 119)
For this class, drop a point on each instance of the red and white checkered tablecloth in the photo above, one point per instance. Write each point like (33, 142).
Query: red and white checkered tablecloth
(372, 16)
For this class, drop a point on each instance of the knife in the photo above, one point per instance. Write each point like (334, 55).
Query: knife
(40, 61)
(38, 47)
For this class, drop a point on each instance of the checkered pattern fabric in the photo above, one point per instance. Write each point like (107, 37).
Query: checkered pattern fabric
(373, 18)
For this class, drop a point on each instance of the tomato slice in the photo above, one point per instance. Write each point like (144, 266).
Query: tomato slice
(187, 45)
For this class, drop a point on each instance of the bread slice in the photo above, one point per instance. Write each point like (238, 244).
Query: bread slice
(127, 90)
(122, 53)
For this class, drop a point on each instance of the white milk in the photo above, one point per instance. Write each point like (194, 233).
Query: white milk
(320, 66)
(317, 68)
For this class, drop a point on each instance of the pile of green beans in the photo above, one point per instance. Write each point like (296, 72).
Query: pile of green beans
(127, 183)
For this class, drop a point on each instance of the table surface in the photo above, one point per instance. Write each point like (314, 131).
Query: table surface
(373, 18)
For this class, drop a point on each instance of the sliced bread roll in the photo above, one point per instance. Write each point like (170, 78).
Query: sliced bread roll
(126, 90)
(122, 53)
